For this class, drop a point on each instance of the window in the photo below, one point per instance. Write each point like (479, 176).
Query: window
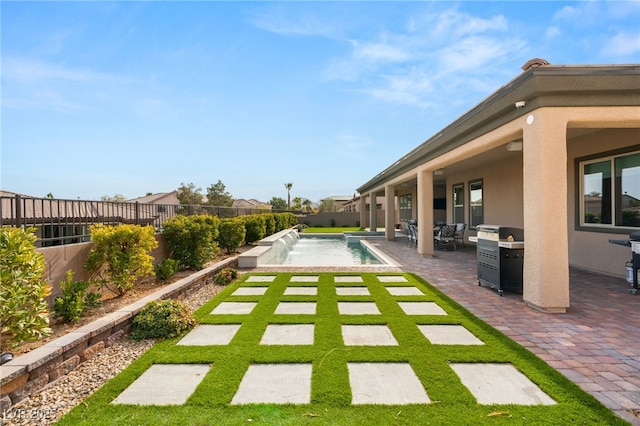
(458, 203)
(476, 212)
(405, 207)
(610, 188)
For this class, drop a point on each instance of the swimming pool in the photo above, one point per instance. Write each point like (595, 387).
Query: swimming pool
(334, 251)
(287, 249)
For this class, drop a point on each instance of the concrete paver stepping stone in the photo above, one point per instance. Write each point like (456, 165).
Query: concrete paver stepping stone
(301, 291)
(295, 308)
(404, 291)
(250, 291)
(368, 335)
(348, 279)
(421, 308)
(392, 279)
(288, 334)
(304, 279)
(260, 279)
(210, 334)
(236, 308)
(500, 384)
(385, 383)
(449, 335)
(275, 384)
(164, 384)
(352, 291)
(358, 308)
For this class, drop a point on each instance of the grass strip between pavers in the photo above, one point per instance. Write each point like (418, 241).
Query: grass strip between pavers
(451, 402)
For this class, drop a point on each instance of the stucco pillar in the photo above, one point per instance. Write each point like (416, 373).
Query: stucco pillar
(425, 212)
(363, 211)
(546, 260)
(389, 213)
(373, 221)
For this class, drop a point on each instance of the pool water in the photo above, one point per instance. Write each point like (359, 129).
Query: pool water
(329, 251)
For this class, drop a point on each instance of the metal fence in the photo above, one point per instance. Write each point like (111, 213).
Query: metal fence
(60, 222)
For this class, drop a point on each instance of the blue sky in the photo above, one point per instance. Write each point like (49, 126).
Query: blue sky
(105, 98)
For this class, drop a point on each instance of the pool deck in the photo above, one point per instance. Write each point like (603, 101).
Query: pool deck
(596, 344)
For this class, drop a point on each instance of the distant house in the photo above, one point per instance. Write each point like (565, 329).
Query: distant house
(159, 198)
(241, 203)
(555, 151)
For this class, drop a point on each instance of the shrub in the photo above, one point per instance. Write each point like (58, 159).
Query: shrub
(255, 227)
(192, 239)
(23, 311)
(226, 276)
(75, 299)
(270, 223)
(120, 255)
(166, 269)
(162, 319)
(231, 234)
(281, 222)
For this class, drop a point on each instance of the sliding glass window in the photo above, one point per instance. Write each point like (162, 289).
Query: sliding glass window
(458, 203)
(610, 188)
(476, 210)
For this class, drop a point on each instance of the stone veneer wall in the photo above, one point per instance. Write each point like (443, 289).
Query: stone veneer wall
(29, 373)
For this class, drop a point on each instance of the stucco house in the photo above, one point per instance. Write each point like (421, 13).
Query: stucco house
(555, 151)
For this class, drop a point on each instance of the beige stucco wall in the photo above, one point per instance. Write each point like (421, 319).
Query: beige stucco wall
(592, 250)
(60, 259)
(502, 192)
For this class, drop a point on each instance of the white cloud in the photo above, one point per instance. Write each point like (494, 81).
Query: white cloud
(552, 32)
(622, 44)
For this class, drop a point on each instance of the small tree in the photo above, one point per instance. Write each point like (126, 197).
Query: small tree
(189, 194)
(217, 195)
(120, 255)
(278, 203)
(231, 234)
(23, 311)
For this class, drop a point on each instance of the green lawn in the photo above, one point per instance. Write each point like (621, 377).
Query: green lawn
(451, 402)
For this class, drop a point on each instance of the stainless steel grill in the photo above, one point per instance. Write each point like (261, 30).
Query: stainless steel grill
(500, 254)
(634, 243)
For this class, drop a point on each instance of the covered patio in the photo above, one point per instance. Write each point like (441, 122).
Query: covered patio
(596, 343)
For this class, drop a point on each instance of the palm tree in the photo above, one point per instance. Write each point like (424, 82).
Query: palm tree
(288, 185)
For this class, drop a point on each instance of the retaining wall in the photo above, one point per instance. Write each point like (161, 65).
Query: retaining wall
(29, 373)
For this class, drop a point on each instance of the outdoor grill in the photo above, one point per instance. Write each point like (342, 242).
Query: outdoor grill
(500, 254)
(634, 243)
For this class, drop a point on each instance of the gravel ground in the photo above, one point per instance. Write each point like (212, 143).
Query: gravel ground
(57, 399)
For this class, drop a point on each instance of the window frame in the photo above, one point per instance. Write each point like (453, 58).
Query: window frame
(469, 184)
(458, 206)
(405, 204)
(579, 163)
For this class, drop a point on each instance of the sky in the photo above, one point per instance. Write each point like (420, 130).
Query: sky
(130, 98)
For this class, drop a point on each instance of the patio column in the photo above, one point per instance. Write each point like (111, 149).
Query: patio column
(373, 221)
(425, 212)
(389, 213)
(363, 211)
(546, 261)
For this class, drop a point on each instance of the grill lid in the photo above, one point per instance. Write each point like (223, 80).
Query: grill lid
(635, 236)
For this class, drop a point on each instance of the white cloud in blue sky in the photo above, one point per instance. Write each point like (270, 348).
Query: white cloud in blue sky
(100, 98)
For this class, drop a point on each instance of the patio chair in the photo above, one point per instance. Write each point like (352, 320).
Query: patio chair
(459, 235)
(413, 234)
(446, 236)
